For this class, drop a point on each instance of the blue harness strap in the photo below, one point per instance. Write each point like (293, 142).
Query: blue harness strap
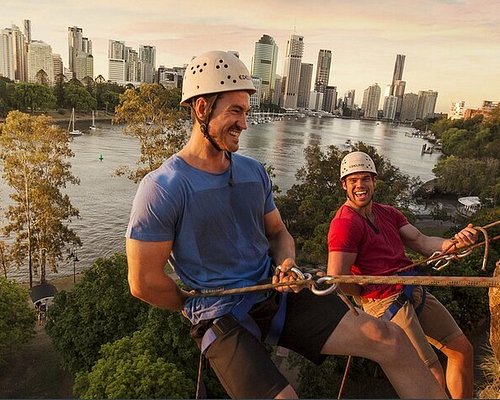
(402, 298)
(241, 313)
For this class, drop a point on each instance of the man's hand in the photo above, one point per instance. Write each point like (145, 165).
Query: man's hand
(466, 237)
(283, 274)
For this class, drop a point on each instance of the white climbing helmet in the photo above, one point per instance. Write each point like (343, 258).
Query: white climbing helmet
(357, 161)
(215, 72)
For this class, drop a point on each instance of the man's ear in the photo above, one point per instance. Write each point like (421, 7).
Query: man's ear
(344, 186)
(374, 180)
(200, 107)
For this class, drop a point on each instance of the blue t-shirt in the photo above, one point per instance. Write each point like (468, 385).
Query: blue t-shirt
(216, 223)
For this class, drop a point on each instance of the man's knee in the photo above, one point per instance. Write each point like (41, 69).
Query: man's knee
(459, 348)
(389, 337)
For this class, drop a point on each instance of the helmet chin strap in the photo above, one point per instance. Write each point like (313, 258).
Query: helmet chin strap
(204, 124)
(204, 130)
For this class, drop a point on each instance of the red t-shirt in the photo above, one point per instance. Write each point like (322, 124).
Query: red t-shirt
(379, 248)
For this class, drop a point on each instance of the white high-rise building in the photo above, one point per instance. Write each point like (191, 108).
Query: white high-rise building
(40, 63)
(371, 101)
(13, 54)
(264, 63)
(293, 61)
(457, 110)
(116, 71)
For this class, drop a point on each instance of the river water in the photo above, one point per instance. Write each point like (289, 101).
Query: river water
(105, 200)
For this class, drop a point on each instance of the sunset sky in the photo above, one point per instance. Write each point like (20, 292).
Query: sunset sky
(451, 46)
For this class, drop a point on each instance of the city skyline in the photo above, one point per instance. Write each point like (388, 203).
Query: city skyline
(451, 47)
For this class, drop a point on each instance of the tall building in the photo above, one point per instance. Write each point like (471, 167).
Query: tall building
(293, 61)
(457, 110)
(389, 109)
(13, 54)
(255, 97)
(264, 63)
(426, 103)
(80, 59)
(330, 99)
(371, 101)
(397, 75)
(306, 71)
(40, 63)
(409, 107)
(58, 65)
(323, 70)
(349, 99)
(27, 30)
(399, 91)
(147, 59)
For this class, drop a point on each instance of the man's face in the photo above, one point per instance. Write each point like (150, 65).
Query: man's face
(229, 119)
(360, 188)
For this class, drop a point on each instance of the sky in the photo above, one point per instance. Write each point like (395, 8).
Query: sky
(451, 46)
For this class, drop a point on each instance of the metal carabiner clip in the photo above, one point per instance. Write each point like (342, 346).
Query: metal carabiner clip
(323, 292)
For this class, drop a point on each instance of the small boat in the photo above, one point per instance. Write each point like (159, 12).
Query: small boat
(71, 126)
(93, 127)
(348, 145)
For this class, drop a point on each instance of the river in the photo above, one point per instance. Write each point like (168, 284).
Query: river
(105, 200)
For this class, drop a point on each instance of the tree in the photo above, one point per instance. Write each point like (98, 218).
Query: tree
(33, 156)
(42, 78)
(100, 309)
(60, 82)
(151, 113)
(129, 368)
(33, 96)
(17, 319)
(78, 97)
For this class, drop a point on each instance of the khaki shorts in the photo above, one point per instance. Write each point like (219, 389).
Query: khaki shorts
(433, 325)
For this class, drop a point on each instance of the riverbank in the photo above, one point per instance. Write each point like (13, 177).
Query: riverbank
(63, 115)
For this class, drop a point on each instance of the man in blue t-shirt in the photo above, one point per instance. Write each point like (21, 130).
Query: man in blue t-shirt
(210, 213)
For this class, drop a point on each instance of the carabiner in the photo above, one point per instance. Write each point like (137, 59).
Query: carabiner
(323, 292)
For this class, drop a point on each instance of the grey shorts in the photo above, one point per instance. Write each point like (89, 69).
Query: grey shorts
(243, 363)
(434, 325)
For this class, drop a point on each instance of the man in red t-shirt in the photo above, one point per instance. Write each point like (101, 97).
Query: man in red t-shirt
(367, 238)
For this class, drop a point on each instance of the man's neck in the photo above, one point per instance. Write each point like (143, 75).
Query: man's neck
(199, 153)
(365, 211)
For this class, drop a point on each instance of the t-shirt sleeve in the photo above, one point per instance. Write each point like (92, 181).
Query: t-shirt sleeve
(269, 204)
(344, 235)
(153, 214)
(399, 218)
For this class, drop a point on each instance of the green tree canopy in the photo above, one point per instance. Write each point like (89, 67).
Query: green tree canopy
(98, 310)
(33, 157)
(76, 96)
(17, 319)
(152, 114)
(129, 368)
(33, 97)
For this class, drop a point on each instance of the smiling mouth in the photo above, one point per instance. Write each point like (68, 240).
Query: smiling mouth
(361, 194)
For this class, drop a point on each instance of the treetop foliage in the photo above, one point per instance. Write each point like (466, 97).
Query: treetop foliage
(17, 319)
(471, 165)
(152, 114)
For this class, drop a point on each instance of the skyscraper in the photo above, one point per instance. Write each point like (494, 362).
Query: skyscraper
(13, 54)
(426, 103)
(80, 59)
(409, 107)
(371, 101)
(264, 65)
(306, 71)
(323, 70)
(147, 59)
(293, 60)
(397, 75)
